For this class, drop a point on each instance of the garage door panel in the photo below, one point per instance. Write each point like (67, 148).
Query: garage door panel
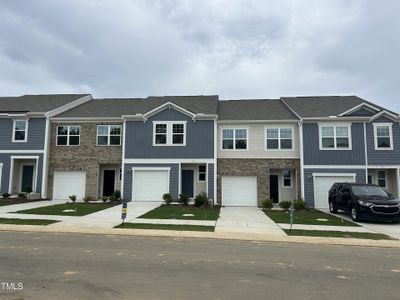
(239, 190)
(68, 183)
(150, 185)
(322, 185)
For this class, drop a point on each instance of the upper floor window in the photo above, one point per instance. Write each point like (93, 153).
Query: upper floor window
(108, 135)
(20, 131)
(202, 173)
(335, 137)
(234, 139)
(279, 138)
(169, 133)
(383, 136)
(68, 135)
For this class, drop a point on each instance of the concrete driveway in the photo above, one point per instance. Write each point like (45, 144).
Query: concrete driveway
(246, 220)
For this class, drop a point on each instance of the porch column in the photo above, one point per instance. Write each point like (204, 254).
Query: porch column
(398, 182)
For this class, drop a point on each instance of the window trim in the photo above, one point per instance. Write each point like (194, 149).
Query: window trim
(169, 133)
(205, 173)
(390, 125)
(335, 125)
(283, 179)
(279, 138)
(108, 135)
(68, 135)
(381, 178)
(234, 138)
(26, 131)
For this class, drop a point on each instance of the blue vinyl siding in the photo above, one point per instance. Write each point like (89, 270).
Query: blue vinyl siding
(199, 138)
(173, 181)
(314, 156)
(362, 112)
(309, 182)
(211, 180)
(36, 135)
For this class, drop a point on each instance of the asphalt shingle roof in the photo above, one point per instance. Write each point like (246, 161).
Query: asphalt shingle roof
(257, 109)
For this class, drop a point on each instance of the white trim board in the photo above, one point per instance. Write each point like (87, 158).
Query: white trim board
(22, 151)
(166, 161)
(12, 158)
(68, 106)
(355, 108)
(334, 167)
(354, 175)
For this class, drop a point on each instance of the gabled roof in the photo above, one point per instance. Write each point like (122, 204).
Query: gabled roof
(256, 109)
(116, 107)
(36, 103)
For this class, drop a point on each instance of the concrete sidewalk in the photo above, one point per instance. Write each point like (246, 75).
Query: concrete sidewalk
(174, 222)
(327, 228)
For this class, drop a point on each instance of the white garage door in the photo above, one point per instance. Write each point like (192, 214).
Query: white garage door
(322, 185)
(150, 185)
(239, 190)
(67, 183)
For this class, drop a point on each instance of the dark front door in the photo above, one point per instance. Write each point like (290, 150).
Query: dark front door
(108, 182)
(274, 188)
(27, 179)
(187, 182)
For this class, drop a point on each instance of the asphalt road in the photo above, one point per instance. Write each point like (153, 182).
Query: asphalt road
(74, 266)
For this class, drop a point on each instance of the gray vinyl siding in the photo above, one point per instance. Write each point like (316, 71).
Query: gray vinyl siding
(199, 138)
(362, 112)
(211, 180)
(314, 156)
(383, 157)
(173, 180)
(309, 182)
(36, 135)
(5, 159)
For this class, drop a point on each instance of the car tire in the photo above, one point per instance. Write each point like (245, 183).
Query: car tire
(332, 207)
(354, 213)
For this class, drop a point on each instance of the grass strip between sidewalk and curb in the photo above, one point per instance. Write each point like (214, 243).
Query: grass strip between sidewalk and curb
(15, 221)
(342, 234)
(308, 217)
(166, 227)
(178, 212)
(80, 209)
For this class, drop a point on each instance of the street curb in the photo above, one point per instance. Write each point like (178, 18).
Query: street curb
(254, 237)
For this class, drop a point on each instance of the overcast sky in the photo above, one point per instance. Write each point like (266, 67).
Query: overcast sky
(236, 49)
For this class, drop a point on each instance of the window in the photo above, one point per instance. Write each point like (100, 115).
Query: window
(234, 139)
(68, 135)
(202, 173)
(279, 138)
(169, 134)
(381, 176)
(383, 136)
(287, 178)
(108, 135)
(335, 137)
(20, 131)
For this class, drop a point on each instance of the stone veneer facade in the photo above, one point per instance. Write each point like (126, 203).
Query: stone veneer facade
(255, 167)
(85, 157)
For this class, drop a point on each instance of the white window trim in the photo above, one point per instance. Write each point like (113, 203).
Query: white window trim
(334, 125)
(68, 145)
(381, 178)
(198, 173)
(234, 138)
(26, 131)
(169, 133)
(108, 135)
(279, 138)
(283, 180)
(390, 125)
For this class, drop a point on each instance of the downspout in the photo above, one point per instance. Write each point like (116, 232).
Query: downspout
(302, 183)
(365, 153)
(45, 169)
(123, 159)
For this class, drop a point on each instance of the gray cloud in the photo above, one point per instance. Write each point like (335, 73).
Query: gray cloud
(237, 49)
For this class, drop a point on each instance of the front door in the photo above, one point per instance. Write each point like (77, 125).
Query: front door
(108, 182)
(27, 179)
(274, 188)
(187, 182)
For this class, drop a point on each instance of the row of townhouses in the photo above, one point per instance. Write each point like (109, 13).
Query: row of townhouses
(238, 152)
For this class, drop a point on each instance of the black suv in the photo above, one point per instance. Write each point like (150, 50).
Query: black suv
(364, 201)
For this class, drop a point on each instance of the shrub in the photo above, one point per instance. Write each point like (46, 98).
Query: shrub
(87, 199)
(113, 198)
(6, 195)
(167, 198)
(285, 205)
(267, 203)
(299, 204)
(184, 199)
(201, 200)
(117, 194)
(72, 198)
(105, 199)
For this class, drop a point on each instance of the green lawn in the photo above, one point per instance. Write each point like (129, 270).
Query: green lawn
(26, 221)
(177, 212)
(82, 209)
(354, 235)
(309, 217)
(166, 227)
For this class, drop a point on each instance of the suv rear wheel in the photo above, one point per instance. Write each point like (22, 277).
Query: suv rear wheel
(332, 207)
(354, 214)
